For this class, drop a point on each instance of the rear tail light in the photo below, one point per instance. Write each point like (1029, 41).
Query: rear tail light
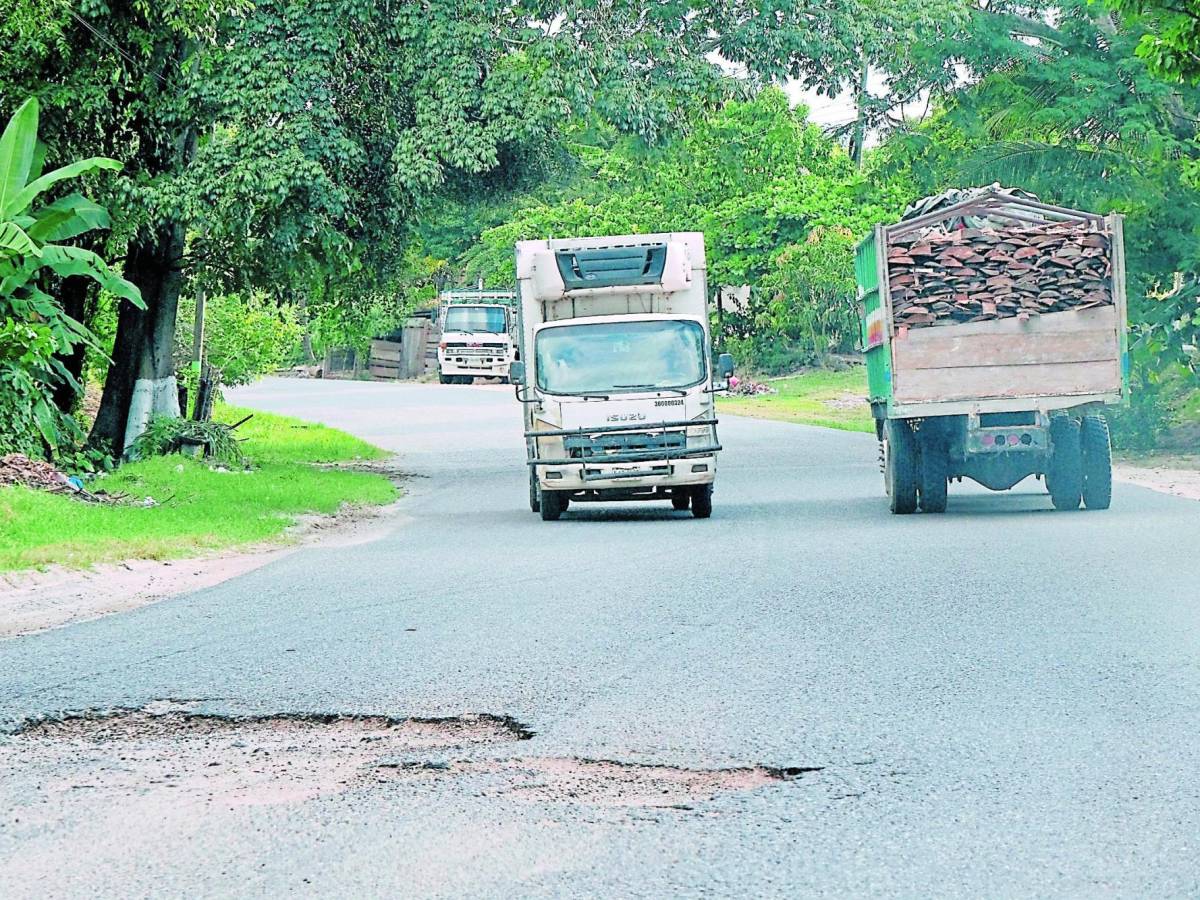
(442, 345)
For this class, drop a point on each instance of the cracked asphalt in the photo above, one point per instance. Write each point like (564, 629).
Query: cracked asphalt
(1001, 701)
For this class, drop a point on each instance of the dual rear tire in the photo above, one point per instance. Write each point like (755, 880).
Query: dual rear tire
(900, 472)
(1080, 468)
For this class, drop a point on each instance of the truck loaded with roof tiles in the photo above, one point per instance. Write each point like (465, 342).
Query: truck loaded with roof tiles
(995, 336)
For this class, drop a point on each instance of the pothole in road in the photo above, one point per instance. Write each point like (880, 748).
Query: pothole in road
(166, 754)
(597, 782)
(233, 760)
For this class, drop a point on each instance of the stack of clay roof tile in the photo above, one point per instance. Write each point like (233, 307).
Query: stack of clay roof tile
(941, 277)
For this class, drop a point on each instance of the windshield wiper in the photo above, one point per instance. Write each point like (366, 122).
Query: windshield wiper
(652, 387)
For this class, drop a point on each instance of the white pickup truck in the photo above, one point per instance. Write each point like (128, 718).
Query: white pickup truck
(477, 335)
(615, 374)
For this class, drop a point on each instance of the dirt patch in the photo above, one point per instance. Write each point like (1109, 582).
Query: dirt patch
(594, 782)
(233, 761)
(846, 401)
(1176, 474)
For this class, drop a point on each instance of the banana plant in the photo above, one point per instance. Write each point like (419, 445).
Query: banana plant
(28, 234)
(35, 330)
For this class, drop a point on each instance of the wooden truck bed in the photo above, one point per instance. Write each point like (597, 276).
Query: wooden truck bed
(1058, 360)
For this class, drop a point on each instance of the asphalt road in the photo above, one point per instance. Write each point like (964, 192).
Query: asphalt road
(1001, 701)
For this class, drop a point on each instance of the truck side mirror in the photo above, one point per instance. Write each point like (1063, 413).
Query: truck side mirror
(725, 366)
(516, 372)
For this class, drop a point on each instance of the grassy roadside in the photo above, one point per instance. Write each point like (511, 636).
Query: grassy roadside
(198, 508)
(820, 397)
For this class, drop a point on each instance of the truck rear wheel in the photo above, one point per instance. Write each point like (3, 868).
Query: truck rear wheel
(935, 482)
(1097, 462)
(535, 492)
(702, 501)
(553, 504)
(900, 466)
(445, 379)
(1065, 478)
(681, 501)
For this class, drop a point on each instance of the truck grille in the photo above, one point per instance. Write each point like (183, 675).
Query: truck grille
(480, 349)
(599, 445)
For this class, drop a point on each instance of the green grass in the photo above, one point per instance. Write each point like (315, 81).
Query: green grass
(820, 397)
(199, 508)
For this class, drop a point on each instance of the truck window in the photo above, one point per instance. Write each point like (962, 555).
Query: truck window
(475, 318)
(620, 357)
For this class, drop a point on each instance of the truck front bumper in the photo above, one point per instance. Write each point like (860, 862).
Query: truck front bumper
(627, 476)
(629, 470)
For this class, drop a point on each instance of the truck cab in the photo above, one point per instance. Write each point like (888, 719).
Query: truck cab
(477, 337)
(616, 378)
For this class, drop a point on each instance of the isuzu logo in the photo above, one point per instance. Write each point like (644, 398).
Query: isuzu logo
(627, 417)
(678, 402)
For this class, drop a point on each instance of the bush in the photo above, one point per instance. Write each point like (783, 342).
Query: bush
(245, 336)
(168, 435)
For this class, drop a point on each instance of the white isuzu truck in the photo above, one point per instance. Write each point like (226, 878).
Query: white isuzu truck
(615, 374)
(477, 335)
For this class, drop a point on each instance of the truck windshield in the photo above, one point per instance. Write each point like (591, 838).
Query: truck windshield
(620, 357)
(475, 318)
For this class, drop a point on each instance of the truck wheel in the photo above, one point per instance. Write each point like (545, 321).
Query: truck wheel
(553, 504)
(445, 379)
(1065, 477)
(900, 466)
(702, 501)
(935, 482)
(1097, 462)
(535, 492)
(680, 501)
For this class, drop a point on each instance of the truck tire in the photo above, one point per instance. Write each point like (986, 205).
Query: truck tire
(1065, 478)
(535, 492)
(900, 466)
(935, 481)
(1097, 462)
(553, 504)
(702, 501)
(681, 501)
(445, 379)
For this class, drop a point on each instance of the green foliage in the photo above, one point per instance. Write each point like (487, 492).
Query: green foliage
(165, 435)
(1171, 44)
(245, 336)
(35, 332)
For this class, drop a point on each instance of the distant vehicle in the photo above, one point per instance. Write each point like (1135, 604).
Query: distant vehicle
(995, 329)
(615, 375)
(477, 339)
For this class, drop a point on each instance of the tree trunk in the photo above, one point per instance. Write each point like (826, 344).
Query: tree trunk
(306, 334)
(141, 379)
(74, 294)
(859, 137)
